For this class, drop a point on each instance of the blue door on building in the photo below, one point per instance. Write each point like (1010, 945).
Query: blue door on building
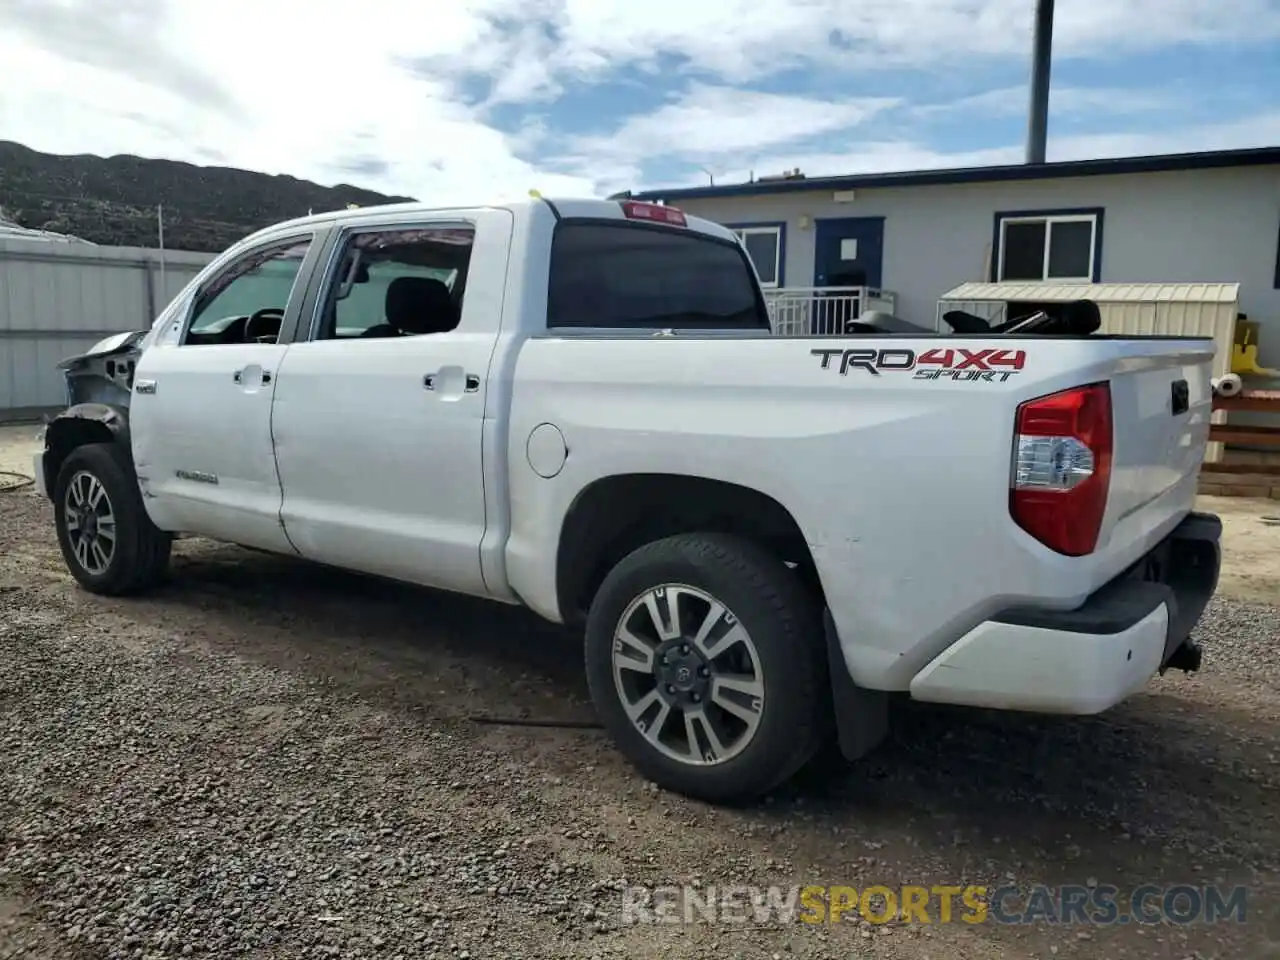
(848, 252)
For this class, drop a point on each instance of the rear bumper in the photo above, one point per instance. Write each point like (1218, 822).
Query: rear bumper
(1086, 660)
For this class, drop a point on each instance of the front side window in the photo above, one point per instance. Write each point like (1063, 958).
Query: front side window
(397, 283)
(634, 276)
(1040, 248)
(246, 301)
(764, 246)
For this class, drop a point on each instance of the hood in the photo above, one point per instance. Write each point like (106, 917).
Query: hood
(116, 343)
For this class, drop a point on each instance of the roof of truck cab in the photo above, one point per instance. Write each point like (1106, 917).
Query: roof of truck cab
(408, 207)
(569, 206)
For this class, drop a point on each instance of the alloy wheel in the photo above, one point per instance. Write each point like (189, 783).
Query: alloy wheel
(688, 674)
(90, 523)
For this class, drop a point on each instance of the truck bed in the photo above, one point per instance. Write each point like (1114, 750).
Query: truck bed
(893, 453)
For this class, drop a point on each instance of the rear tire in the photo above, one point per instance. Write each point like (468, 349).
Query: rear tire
(737, 706)
(108, 542)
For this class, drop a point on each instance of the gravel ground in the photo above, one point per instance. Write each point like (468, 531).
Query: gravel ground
(268, 759)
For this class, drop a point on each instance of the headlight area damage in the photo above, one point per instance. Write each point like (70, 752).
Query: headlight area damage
(104, 374)
(99, 383)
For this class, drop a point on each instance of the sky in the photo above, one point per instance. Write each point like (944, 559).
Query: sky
(473, 101)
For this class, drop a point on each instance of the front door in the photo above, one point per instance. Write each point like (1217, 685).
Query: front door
(379, 416)
(848, 252)
(200, 413)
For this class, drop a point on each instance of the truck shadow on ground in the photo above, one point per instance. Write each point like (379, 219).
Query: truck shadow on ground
(1149, 792)
(384, 630)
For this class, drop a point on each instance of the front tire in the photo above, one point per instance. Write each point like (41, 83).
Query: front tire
(705, 664)
(108, 542)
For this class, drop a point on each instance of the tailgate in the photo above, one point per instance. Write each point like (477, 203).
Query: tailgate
(1161, 399)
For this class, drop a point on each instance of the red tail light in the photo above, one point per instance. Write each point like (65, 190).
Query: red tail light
(654, 213)
(1062, 468)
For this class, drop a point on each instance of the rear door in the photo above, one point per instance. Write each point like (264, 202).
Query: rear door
(379, 409)
(200, 413)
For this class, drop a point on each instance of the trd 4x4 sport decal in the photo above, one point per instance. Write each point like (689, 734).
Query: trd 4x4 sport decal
(991, 365)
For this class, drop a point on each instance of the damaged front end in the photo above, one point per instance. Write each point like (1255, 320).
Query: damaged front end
(104, 373)
(99, 383)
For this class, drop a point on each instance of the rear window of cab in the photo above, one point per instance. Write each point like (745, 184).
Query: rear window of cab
(625, 275)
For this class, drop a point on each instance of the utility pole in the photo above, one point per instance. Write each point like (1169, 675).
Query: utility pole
(164, 289)
(1041, 61)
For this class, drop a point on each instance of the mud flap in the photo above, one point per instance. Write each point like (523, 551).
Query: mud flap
(862, 716)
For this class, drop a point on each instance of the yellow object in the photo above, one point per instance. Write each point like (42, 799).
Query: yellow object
(1244, 352)
(537, 195)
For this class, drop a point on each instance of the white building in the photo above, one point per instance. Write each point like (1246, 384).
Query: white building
(1202, 217)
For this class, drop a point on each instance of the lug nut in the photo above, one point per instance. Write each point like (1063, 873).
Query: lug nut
(684, 648)
(671, 688)
(695, 698)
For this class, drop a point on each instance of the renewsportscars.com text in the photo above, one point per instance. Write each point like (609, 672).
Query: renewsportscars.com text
(1095, 904)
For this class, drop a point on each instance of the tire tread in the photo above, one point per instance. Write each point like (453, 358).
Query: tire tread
(143, 549)
(798, 628)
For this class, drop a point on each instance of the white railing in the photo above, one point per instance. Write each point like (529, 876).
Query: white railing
(822, 311)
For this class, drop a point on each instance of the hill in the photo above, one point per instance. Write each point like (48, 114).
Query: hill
(113, 200)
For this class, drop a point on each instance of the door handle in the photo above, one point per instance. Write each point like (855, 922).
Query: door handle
(144, 386)
(471, 382)
(238, 376)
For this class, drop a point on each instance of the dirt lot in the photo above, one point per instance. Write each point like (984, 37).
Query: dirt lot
(266, 759)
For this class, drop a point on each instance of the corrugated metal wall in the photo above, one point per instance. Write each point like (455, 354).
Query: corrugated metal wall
(1168, 309)
(58, 299)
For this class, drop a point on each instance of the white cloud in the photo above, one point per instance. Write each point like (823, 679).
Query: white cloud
(298, 94)
(871, 157)
(373, 92)
(893, 156)
(711, 123)
(711, 128)
(744, 40)
(1262, 129)
(1063, 102)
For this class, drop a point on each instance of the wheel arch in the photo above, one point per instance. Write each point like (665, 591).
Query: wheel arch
(614, 515)
(78, 425)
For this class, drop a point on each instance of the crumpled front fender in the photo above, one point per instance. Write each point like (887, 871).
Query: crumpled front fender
(79, 424)
(104, 374)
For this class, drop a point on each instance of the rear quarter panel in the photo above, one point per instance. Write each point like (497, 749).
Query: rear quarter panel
(899, 480)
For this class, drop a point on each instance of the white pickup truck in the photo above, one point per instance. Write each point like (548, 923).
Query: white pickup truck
(579, 406)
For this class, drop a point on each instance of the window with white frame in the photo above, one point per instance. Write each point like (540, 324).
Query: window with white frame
(764, 246)
(1037, 247)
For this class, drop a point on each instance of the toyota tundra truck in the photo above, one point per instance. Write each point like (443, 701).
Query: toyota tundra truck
(579, 406)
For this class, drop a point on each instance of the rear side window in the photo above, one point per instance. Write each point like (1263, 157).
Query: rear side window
(637, 276)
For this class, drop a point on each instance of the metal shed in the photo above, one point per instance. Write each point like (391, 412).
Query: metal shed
(1172, 309)
(58, 297)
